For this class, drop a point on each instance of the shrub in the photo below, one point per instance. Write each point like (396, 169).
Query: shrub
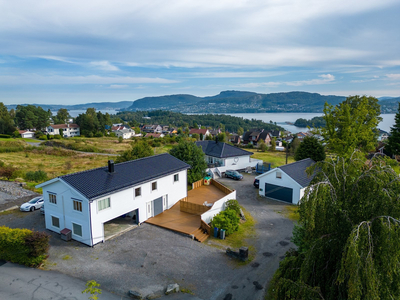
(43, 137)
(16, 134)
(120, 139)
(250, 146)
(99, 134)
(112, 134)
(233, 205)
(37, 176)
(5, 136)
(228, 220)
(23, 246)
(38, 133)
(8, 172)
(57, 136)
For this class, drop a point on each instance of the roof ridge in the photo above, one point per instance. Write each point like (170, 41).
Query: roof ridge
(295, 162)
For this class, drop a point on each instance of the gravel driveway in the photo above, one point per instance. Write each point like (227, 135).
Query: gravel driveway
(148, 258)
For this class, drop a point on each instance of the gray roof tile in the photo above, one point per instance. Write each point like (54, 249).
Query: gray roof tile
(221, 150)
(297, 171)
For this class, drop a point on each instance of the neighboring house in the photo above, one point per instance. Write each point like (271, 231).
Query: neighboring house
(116, 127)
(125, 133)
(204, 132)
(68, 130)
(254, 136)
(215, 132)
(286, 183)
(301, 135)
(152, 128)
(26, 134)
(141, 189)
(274, 133)
(173, 131)
(234, 139)
(221, 157)
(154, 135)
(383, 135)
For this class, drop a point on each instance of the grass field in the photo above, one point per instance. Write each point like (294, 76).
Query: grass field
(276, 159)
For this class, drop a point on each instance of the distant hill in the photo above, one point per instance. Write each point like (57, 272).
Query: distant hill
(97, 105)
(238, 102)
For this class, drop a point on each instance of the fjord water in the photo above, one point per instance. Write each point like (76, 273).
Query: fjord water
(282, 118)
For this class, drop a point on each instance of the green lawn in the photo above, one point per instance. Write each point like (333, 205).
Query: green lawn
(20, 139)
(275, 158)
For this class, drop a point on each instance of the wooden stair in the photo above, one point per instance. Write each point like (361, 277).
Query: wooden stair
(199, 235)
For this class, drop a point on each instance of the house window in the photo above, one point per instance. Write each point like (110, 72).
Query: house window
(103, 204)
(278, 174)
(138, 192)
(53, 198)
(77, 205)
(176, 177)
(55, 222)
(154, 185)
(76, 229)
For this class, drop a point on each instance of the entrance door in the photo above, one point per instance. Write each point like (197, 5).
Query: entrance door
(165, 200)
(158, 206)
(149, 209)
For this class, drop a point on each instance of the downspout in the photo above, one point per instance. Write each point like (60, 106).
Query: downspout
(90, 222)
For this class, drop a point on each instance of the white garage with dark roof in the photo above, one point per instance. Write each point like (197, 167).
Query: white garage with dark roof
(286, 183)
(82, 202)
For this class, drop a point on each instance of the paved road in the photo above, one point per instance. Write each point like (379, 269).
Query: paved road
(19, 282)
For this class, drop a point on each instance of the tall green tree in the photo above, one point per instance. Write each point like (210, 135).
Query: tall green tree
(393, 145)
(191, 154)
(140, 149)
(349, 234)
(6, 121)
(31, 116)
(352, 125)
(310, 147)
(62, 116)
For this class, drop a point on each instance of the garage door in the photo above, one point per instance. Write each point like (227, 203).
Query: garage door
(158, 206)
(278, 192)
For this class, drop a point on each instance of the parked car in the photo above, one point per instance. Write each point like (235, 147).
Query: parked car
(233, 174)
(256, 183)
(32, 204)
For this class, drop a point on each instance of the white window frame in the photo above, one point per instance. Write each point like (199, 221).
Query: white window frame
(52, 221)
(54, 201)
(140, 191)
(76, 205)
(100, 208)
(73, 229)
(154, 189)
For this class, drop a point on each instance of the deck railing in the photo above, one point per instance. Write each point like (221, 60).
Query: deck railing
(205, 227)
(193, 208)
(197, 184)
(184, 199)
(221, 187)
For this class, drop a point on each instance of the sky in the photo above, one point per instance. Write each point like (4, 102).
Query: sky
(71, 52)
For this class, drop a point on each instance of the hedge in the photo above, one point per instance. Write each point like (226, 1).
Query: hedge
(5, 136)
(23, 246)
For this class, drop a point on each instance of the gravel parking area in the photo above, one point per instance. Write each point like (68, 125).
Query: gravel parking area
(148, 258)
(11, 193)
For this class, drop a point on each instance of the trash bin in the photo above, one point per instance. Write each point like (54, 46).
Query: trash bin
(222, 234)
(215, 232)
(66, 234)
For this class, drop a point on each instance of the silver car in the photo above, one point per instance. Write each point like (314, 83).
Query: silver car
(32, 204)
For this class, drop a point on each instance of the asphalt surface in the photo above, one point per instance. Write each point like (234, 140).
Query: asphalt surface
(149, 258)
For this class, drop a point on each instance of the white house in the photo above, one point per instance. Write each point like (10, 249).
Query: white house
(26, 134)
(221, 157)
(68, 130)
(201, 132)
(286, 183)
(84, 201)
(126, 133)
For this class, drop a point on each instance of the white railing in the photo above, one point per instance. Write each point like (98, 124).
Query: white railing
(217, 207)
(218, 172)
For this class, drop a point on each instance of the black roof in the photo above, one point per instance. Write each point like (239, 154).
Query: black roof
(97, 182)
(221, 150)
(297, 171)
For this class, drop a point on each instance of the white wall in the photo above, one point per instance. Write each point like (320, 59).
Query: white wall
(285, 181)
(242, 162)
(124, 201)
(217, 207)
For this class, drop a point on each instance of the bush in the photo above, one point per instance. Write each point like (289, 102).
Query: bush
(23, 246)
(112, 134)
(38, 133)
(43, 137)
(5, 136)
(234, 205)
(57, 137)
(120, 139)
(99, 134)
(37, 176)
(16, 134)
(250, 146)
(8, 172)
(228, 220)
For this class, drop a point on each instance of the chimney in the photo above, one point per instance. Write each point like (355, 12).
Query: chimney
(110, 166)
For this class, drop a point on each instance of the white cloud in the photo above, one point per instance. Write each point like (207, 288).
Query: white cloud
(118, 86)
(104, 65)
(393, 76)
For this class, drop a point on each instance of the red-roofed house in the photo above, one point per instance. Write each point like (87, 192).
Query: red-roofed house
(68, 130)
(154, 135)
(204, 132)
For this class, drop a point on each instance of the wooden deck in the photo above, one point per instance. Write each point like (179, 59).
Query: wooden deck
(177, 220)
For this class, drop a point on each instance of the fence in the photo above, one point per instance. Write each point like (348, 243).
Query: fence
(217, 207)
(221, 187)
(193, 208)
(197, 184)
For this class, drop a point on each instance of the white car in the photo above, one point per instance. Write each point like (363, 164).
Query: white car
(32, 204)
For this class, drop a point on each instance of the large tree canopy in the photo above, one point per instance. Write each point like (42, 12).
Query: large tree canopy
(191, 154)
(62, 116)
(310, 147)
(352, 125)
(6, 121)
(349, 235)
(30, 116)
(140, 149)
